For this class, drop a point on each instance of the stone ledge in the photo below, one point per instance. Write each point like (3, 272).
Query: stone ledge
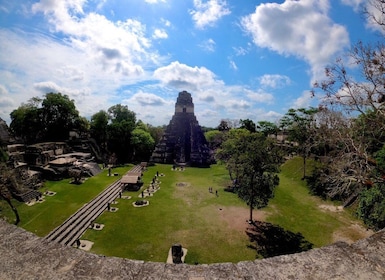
(23, 255)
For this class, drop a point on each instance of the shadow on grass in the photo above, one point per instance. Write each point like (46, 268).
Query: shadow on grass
(271, 240)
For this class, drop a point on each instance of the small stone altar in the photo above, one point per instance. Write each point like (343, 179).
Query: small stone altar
(141, 203)
(176, 254)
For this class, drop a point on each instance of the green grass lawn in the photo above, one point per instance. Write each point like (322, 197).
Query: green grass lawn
(41, 218)
(294, 209)
(188, 215)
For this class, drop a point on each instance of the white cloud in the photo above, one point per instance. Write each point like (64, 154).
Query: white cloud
(150, 107)
(274, 81)
(154, 1)
(375, 15)
(101, 4)
(208, 45)
(117, 46)
(166, 22)
(49, 86)
(4, 9)
(160, 34)
(6, 103)
(233, 65)
(356, 4)
(211, 94)
(240, 51)
(3, 90)
(95, 60)
(147, 99)
(259, 96)
(34, 64)
(208, 13)
(299, 28)
(184, 77)
(239, 104)
(303, 101)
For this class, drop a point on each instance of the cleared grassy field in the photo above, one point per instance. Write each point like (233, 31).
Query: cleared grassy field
(211, 227)
(186, 214)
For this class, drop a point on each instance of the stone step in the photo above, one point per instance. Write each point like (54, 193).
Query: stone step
(85, 220)
(70, 223)
(68, 232)
(30, 195)
(55, 234)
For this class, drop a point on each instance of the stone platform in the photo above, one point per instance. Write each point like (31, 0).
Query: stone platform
(23, 255)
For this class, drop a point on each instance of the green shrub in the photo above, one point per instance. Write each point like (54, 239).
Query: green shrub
(371, 208)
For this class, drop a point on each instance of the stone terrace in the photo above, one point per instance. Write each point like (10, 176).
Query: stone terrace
(23, 255)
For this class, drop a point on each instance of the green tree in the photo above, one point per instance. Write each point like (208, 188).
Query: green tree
(229, 152)
(51, 118)
(253, 159)
(214, 138)
(248, 124)
(156, 132)
(353, 169)
(82, 125)
(26, 121)
(371, 208)
(267, 128)
(59, 116)
(99, 128)
(224, 126)
(301, 126)
(123, 122)
(143, 144)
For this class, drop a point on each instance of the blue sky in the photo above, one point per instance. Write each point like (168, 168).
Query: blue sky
(238, 59)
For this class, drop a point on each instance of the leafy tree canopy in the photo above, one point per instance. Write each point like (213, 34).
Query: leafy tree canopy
(51, 118)
(267, 128)
(248, 124)
(252, 160)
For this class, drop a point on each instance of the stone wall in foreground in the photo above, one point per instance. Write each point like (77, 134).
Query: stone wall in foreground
(23, 255)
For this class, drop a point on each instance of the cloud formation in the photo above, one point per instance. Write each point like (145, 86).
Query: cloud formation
(182, 76)
(274, 81)
(298, 28)
(142, 53)
(147, 99)
(208, 45)
(208, 13)
(160, 34)
(155, 1)
(119, 47)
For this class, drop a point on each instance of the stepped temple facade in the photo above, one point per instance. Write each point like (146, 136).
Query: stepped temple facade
(183, 142)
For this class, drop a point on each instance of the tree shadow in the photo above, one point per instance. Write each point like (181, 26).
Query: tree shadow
(271, 240)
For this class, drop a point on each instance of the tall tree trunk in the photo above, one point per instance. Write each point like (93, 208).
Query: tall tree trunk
(251, 198)
(251, 213)
(304, 166)
(14, 210)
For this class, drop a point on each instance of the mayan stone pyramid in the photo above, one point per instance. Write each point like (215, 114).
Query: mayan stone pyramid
(183, 142)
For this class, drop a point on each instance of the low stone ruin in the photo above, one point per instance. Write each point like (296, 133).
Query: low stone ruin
(52, 159)
(47, 161)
